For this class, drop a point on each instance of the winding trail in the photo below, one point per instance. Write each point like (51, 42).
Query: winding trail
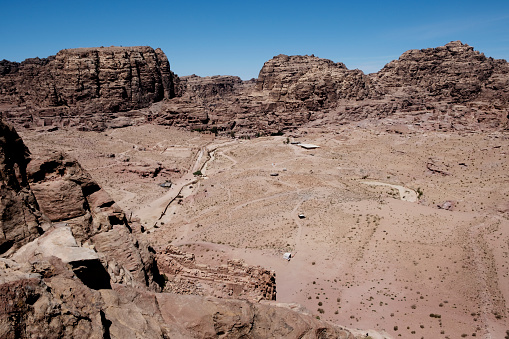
(155, 210)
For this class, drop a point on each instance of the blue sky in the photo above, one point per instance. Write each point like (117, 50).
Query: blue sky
(237, 37)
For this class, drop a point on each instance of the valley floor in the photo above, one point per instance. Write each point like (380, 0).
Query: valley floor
(402, 233)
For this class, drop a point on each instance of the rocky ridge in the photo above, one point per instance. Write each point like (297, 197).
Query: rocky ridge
(451, 87)
(84, 269)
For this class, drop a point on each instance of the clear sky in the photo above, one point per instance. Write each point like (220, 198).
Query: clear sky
(237, 37)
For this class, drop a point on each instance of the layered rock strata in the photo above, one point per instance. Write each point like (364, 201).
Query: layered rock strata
(450, 87)
(68, 195)
(84, 81)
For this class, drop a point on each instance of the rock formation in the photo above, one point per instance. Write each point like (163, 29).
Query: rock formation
(311, 82)
(84, 274)
(88, 80)
(20, 220)
(453, 72)
(448, 87)
(67, 194)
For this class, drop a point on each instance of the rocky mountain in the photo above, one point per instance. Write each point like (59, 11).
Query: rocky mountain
(453, 72)
(72, 265)
(452, 87)
(312, 82)
(86, 81)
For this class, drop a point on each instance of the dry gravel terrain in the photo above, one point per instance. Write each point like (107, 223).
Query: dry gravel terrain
(406, 234)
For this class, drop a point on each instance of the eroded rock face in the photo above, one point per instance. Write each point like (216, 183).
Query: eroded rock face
(443, 88)
(58, 306)
(67, 194)
(312, 82)
(452, 72)
(20, 220)
(88, 80)
(451, 87)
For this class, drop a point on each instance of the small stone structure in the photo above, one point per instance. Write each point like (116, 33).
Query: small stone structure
(232, 280)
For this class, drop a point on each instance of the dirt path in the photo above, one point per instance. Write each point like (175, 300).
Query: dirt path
(160, 209)
(296, 219)
(485, 276)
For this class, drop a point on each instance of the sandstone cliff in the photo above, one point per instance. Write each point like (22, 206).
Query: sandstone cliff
(448, 87)
(100, 80)
(444, 88)
(312, 82)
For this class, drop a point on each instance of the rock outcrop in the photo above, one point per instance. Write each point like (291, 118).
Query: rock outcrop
(448, 87)
(311, 83)
(67, 194)
(454, 72)
(48, 302)
(443, 88)
(20, 219)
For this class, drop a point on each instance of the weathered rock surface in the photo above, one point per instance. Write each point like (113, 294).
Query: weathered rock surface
(60, 243)
(84, 81)
(67, 193)
(443, 88)
(452, 72)
(60, 306)
(20, 220)
(312, 82)
(235, 280)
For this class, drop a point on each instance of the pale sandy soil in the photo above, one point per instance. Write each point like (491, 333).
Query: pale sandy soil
(366, 256)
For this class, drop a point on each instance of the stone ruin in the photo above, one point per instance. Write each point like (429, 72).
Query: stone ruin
(235, 279)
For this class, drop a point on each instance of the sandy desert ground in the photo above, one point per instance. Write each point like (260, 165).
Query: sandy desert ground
(373, 251)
